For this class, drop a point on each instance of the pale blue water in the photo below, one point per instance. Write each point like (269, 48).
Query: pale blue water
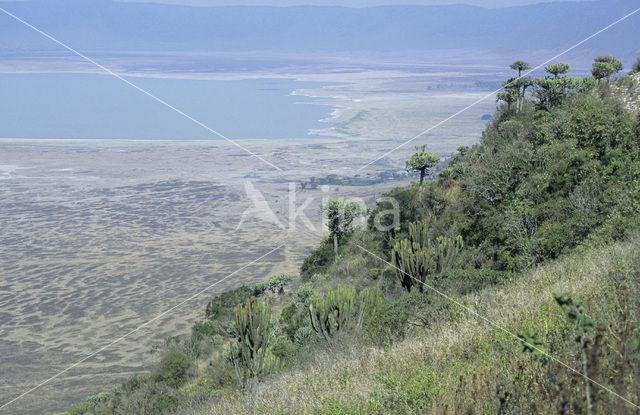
(88, 106)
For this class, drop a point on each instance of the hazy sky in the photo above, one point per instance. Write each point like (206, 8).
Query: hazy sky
(350, 3)
(347, 3)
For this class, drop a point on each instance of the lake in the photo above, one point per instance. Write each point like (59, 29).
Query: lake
(94, 106)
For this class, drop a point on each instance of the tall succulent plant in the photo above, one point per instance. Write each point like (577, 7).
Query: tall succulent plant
(370, 301)
(332, 313)
(417, 258)
(252, 321)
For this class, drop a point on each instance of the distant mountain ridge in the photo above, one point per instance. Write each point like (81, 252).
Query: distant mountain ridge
(106, 25)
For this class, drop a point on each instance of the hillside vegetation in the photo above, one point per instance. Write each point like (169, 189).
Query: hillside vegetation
(507, 279)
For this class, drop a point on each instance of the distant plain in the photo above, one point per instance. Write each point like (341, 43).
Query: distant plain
(99, 236)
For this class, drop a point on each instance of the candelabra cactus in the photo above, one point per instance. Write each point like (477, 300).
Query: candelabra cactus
(252, 322)
(333, 312)
(370, 300)
(417, 258)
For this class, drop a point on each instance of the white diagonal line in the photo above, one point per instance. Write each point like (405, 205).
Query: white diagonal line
(496, 325)
(499, 89)
(144, 91)
(138, 328)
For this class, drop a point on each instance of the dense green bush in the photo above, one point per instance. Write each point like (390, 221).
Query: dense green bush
(538, 185)
(220, 374)
(318, 261)
(224, 303)
(304, 292)
(275, 284)
(292, 318)
(172, 368)
(405, 390)
(81, 408)
(162, 402)
(100, 398)
(284, 349)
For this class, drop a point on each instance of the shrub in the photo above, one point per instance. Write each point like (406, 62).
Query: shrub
(132, 384)
(204, 337)
(202, 329)
(292, 319)
(220, 374)
(278, 282)
(406, 389)
(303, 336)
(259, 288)
(304, 292)
(388, 321)
(275, 284)
(81, 408)
(466, 281)
(172, 368)
(100, 397)
(318, 262)
(225, 302)
(162, 402)
(284, 349)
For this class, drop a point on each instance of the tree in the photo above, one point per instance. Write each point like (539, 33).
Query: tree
(522, 83)
(552, 91)
(559, 68)
(422, 161)
(610, 60)
(636, 67)
(520, 66)
(510, 93)
(340, 215)
(604, 67)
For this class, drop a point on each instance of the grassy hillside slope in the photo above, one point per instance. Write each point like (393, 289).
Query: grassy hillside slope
(463, 365)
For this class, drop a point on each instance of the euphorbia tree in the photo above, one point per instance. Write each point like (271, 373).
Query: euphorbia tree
(422, 161)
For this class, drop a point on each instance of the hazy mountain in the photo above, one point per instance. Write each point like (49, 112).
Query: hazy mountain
(106, 25)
